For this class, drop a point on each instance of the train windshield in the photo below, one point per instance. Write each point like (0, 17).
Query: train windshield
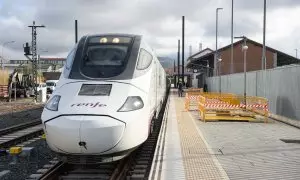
(104, 58)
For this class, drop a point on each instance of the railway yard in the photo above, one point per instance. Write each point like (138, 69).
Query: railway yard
(149, 90)
(182, 146)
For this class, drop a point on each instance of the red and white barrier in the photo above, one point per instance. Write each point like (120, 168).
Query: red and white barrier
(3, 91)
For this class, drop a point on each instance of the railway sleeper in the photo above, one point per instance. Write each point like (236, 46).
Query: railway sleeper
(84, 176)
(136, 177)
(91, 171)
(144, 155)
(139, 166)
(139, 171)
(142, 162)
(143, 158)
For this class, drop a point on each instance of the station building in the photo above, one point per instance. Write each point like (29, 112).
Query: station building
(202, 64)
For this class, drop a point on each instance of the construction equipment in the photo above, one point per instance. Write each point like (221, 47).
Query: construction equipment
(20, 88)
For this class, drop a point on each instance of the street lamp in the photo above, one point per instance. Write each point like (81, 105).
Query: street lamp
(219, 64)
(216, 53)
(207, 70)
(2, 57)
(231, 53)
(296, 53)
(244, 49)
(264, 62)
(264, 59)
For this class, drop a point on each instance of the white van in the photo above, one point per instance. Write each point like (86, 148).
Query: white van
(39, 87)
(51, 84)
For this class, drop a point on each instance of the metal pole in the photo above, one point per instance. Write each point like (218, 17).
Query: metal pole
(244, 49)
(178, 62)
(174, 67)
(245, 71)
(39, 64)
(219, 63)
(231, 57)
(264, 50)
(182, 49)
(264, 39)
(215, 59)
(296, 53)
(216, 53)
(34, 57)
(76, 32)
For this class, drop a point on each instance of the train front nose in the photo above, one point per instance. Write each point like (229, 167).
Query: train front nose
(100, 133)
(83, 134)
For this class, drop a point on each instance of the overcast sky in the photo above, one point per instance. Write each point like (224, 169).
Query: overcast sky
(158, 20)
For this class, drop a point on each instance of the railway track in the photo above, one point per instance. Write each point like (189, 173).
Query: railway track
(19, 133)
(136, 166)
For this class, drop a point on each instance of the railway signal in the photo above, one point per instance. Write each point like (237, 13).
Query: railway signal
(33, 54)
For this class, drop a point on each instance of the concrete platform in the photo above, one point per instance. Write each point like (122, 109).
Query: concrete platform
(192, 149)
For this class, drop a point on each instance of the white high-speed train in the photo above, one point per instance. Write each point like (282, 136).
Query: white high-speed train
(109, 93)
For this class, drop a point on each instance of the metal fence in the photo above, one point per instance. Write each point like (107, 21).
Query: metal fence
(280, 86)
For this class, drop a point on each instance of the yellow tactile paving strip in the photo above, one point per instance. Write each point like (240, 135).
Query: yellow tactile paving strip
(198, 161)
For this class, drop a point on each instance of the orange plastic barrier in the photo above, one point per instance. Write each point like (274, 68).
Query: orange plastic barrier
(192, 100)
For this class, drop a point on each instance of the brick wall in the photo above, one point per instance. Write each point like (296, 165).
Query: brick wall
(254, 54)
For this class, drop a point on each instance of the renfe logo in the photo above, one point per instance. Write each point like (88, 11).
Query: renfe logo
(97, 104)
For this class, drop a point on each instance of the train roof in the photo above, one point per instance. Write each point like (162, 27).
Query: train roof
(115, 34)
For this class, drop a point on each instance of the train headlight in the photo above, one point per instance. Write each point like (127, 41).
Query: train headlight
(52, 104)
(116, 40)
(103, 40)
(132, 103)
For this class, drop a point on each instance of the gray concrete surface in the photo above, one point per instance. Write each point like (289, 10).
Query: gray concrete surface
(254, 150)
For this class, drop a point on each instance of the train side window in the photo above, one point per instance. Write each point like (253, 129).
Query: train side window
(145, 59)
